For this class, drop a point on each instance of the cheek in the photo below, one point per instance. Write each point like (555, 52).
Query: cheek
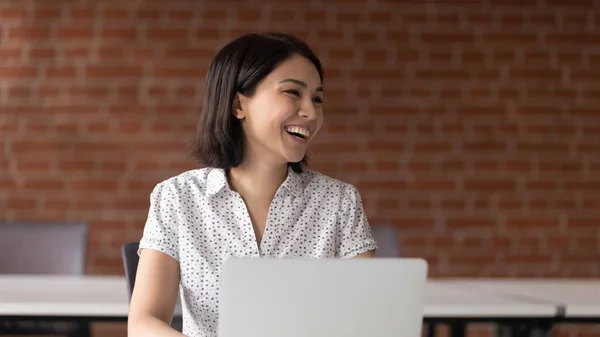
(268, 115)
(281, 111)
(320, 120)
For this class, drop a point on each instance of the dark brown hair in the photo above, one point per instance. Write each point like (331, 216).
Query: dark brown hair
(238, 68)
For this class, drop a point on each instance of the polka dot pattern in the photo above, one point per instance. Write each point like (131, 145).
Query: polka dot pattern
(199, 221)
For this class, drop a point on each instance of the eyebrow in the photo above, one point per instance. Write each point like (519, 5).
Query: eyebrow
(300, 83)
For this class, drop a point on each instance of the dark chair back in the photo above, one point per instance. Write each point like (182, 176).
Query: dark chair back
(388, 241)
(43, 248)
(130, 263)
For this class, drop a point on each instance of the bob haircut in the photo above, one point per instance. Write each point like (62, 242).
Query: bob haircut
(238, 68)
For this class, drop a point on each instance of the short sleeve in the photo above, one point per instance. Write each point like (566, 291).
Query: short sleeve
(354, 233)
(161, 228)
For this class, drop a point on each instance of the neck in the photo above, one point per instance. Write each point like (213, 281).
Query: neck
(256, 180)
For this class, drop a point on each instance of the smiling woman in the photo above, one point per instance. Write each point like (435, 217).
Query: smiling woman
(255, 197)
(262, 69)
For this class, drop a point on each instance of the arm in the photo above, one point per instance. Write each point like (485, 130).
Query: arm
(354, 233)
(370, 253)
(158, 274)
(154, 296)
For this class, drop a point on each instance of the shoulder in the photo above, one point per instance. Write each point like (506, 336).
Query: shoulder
(190, 183)
(335, 188)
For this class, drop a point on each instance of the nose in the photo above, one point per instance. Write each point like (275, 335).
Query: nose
(308, 111)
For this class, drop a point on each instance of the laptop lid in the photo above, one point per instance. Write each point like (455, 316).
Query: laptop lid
(322, 297)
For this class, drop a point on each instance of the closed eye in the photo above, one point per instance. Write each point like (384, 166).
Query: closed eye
(293, 92)
(317, 100)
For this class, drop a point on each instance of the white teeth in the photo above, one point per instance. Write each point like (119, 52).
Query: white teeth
(297, 129)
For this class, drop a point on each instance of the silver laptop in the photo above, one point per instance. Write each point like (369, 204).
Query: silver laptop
(322, 297)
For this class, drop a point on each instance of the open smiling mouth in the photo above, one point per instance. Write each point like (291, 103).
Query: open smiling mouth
(298, 132)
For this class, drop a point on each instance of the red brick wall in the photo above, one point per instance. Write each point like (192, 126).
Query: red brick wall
(471, 126)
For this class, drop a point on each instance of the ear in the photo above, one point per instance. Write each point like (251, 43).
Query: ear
(240, 106)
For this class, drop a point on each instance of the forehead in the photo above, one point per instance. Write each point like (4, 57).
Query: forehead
(297, 68)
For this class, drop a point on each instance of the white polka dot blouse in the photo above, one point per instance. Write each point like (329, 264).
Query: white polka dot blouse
(199, 221)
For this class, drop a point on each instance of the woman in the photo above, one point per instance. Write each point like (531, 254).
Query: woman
(263, 107)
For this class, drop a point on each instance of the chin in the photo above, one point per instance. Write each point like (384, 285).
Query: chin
(295, 158)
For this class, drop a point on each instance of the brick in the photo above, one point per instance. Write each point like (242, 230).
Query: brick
(42, 53)
(485, 146)
(543, 147)
(37, 146)
(392, 74)
(44, 184)
(62, 72)
(19, 92)
(481, 110)
(575, 223)
(490, 185)
(531, 223)
(127, 34)
(61, 205)
(511, 19)
(148, 14)
(13, 13)
(571, 38)
(112, 166)
(21, 204)
(95, 185)
(28, 33)
(83, 14)
(423, 224)
(189, 53)
(72, 110)
(75, 33)
(541, 185)
(18, 72)
(468, 223)
(447, 38)
(207, 34)
(433, 147)
(88, 92)
(435, 185)
(509, 38)
(115, 14)
(167, 34)
(77, 53)
(441, 74)
(38, 165)
(181, 15)
(9, 53)
(75, 165)
(453, 204)
(114, 72)
(179, 72)
(488, 165)
(110, 53)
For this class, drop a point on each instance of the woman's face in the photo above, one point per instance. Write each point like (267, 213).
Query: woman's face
(284, 114)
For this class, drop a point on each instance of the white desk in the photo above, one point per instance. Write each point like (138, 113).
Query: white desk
(457, 302)
(106, 296)
(574, 298)
(63, 296)
(445, 299)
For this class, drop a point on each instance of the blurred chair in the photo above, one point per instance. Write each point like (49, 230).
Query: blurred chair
(388, 241)
(129, 253)
(43, 249)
